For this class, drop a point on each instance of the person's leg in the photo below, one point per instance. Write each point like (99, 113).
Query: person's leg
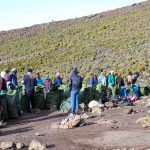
(113, 90)
(77, 102)
(135, 90)
(32, 100)
(27, 103)
(73, 101)
(124, 93)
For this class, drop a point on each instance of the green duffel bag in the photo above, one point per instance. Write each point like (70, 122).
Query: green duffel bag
(52, 99)
(3, 101)
(144, 91)
(65, 105)
(39, 100)
(13, 102)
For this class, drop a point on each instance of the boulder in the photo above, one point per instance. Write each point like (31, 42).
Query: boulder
(128, 110)
(20, 145)
(96, 111)
(109, 104)
(36, 145)
(95, 104)
(6, 145)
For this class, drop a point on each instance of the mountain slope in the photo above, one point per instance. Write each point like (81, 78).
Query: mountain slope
(114, 39)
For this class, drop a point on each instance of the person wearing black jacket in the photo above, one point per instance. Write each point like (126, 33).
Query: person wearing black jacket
(29, 82)
(121, 85)
(75, 84)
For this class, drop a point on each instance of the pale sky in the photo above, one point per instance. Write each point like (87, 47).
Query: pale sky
(22, 13)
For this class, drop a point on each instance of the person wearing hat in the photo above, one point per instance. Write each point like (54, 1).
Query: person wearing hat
(30, 82)
(57, 80)
(12, 79)
(39, 79)
(75, 84)
(48, 83)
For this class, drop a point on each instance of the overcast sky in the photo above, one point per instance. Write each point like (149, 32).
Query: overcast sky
(22, 13)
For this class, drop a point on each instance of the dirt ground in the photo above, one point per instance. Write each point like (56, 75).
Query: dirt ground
(123, 133)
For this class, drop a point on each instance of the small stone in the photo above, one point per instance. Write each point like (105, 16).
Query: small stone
(145, 126)
(82, 106)
(109, 104)
(6, 145)
(20, 145)
(85, 116)
(37, 145)
(114, 127)
(128, 110)
(39, 134)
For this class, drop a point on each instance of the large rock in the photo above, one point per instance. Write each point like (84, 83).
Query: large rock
(36, 145)
(95, 104)
(6, 145)
(96, 111)
(20, 145)
(109, 104)
(128, 110)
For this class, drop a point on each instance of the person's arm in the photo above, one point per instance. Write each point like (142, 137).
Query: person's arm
(70, 83)
(80, 86)
(104, 80)
(4, 85)
(35, 82)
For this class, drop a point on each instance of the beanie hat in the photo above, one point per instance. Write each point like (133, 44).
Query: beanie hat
(30, 70)
(3, 74)
(46, 76)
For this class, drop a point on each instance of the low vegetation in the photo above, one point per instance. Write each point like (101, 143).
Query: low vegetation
(115, 39)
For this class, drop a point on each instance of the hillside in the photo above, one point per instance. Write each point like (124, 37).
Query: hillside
(113, 39)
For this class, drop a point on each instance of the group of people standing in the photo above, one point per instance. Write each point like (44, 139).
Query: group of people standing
(116, 84)
(8, 81)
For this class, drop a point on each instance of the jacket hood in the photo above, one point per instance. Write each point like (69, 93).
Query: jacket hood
(75, 71)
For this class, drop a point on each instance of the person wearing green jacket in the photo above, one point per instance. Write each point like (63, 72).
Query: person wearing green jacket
(111, 83)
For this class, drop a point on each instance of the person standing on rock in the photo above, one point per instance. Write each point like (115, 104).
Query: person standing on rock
(75, 84)
(30, 82)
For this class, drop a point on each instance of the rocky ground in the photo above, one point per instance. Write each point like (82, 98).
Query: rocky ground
(114, 129)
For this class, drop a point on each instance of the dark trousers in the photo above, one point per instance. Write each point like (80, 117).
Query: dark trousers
(29, 99)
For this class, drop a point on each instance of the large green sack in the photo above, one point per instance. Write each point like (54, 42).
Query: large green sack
(22, 98)
(4, 113)
(144, 91)
(13, 103)
(39, 100)
(39, 97)
(129, 90)
(65, 105)
(52, 99)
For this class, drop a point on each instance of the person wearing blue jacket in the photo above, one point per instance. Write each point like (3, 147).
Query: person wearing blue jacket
(12, 79)
(57, 80)
(39, 80)
(75, 84)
